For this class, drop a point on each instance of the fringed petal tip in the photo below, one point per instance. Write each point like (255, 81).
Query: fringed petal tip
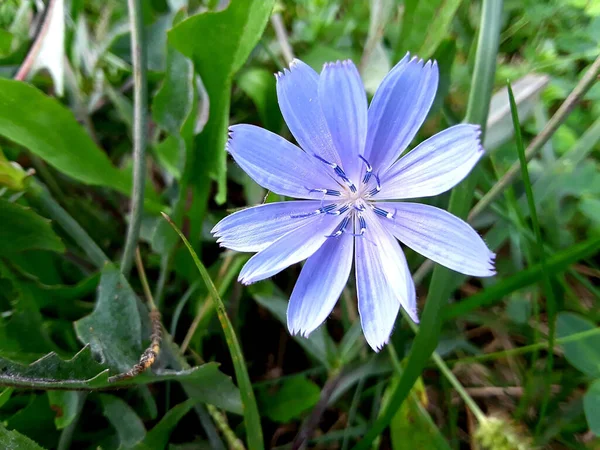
(377, 346)
(299, 332)
(343, 64)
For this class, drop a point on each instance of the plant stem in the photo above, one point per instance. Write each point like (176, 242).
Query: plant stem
(39, 194)
(140, 100)
(66, 436)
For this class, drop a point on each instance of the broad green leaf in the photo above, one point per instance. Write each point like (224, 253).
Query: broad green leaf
(48, 129)
(114, 329)
(585, 353)
(295, 396)
(66, 405)
(12, 440)
(158, 437)
(219, 43)
(424, 26)
(591, 406)
(23, 229)
(259, 85)
(124, 419)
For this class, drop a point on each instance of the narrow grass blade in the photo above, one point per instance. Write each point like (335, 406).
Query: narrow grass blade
(251, 417)
(550, 300)
(556, 264)
(460, 202)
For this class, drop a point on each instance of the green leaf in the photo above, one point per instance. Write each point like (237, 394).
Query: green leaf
(5, 396)
(23, 229)
(13, 440)
(259, 84)
(124, 419)
(206, 383)
(66, 405)
(295, 396)
(251, 416)
(217, 59)
(50, 131)
(591, 406)
(583, 354)
(158, 437)
(114, 329)
(6, 39)
(424, 26)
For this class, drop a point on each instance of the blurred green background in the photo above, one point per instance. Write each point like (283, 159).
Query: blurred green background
(517, 356)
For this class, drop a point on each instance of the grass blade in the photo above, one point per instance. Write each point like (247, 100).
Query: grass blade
(460, 201)
(251, 417)
(533, 274)
(550, 300)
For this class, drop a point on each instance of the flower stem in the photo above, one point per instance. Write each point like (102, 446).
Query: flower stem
(39, 195)
(140, 100)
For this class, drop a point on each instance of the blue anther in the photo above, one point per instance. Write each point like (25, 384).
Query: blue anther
(338, 171)
(383, 213)
(363, 226)
(342, 210)
(368, 174)
(377, 186)
(340, 229)
(324, 209)
(331, 192)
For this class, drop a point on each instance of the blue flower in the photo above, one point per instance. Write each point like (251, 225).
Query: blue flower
(346, 172)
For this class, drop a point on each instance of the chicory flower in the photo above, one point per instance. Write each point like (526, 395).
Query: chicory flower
(348, 176)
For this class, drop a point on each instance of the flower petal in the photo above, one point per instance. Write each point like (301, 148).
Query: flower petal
(297, 93)
(398, 110)
(441, 237)
(344, 103)
(383, 282)
(435, 165)
(277, 164)
(254, 229)
(293, 247)
(320, 284)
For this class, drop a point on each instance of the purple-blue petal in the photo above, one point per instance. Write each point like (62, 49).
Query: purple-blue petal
(344, 103)
(440, 236)
(298, 97)
(435, 165)
(293, 247)
(320, 285)
(398, 109)
(254, 229)
(277, 164)
(383, 282)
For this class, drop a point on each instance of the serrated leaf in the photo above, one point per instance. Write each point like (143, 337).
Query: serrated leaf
(584, 354)
(22, 229)
(206, 383)
(591, 406)
(114, 329)
(124, 420)
(13, 440)
(216, 59)
(295, 396)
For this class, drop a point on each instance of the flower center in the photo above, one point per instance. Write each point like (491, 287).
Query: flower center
(350, 201)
